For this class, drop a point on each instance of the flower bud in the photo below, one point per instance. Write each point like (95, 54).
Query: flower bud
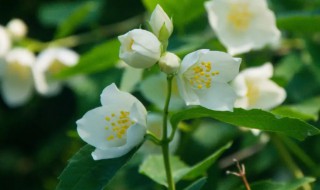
(17, 28)
(139, 48)
(169, 63)
(161, 24)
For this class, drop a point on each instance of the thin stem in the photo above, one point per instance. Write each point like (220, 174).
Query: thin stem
(241, 173)
(165, 140)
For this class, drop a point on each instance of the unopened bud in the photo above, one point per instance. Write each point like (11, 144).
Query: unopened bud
(169, 63)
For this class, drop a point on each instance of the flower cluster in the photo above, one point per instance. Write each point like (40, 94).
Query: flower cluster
(22, 70)
(206, 78)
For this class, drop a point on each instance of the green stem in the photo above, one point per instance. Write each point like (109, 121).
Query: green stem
(165, 140)
(292, 166)
(153, 138)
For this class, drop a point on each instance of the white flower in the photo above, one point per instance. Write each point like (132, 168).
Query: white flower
(242, 25)
(5, 41)
(154, 125)
(154, 89)
(116, 127)
(161, 24)
(17, 81)
(255, 89)
(203, 79)
(139, 48)
(17, 28)
(48, 63)
(169, 63)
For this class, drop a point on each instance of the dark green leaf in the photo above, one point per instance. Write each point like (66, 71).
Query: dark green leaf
(83, 172)
(270, 185)
(307, 110)
(197, 185)
(200, 168)
(257, 119)
(98, 59)
(153, 167)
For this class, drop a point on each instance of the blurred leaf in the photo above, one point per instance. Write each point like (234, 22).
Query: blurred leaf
(203, 166)
(76, 18)
(197, 185)
(287, 68)
(177, 10)
(270, 185)
(55, 13)
(257, 119)
(307, 110)
(305, 22)
(153, 167)
(83, 172)
(98, 59)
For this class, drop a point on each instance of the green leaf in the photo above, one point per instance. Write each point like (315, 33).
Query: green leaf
(177, 10)
(83, 172)
(197, 185)
(257, 119)
(153, 167)
(98, 59)
(270, 185)
(76, 18)
(299, 22)
(307, 110)
(201, 167)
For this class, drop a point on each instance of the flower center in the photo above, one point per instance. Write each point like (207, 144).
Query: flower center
(19, 70)
(118, 124)
(239, 16)
(252, 93)
(55, 67)
(200, 75)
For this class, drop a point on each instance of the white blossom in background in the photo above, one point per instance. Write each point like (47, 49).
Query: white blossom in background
(17, 82)
(161, 25)
(139, 48)
(115, 127)
(17, 28)
(130, 77)
(154, 89)
(169, 63)
(242, 25)
(255, 89)
(5, 41)
(203, 79)
(154, 126)
(48, 63)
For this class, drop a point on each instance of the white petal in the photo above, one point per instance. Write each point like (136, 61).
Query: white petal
(21, 55)
(17, 28)
(186, 92)
(112, 96)
(270, 95)
(191, 59)
(239, 85)
(5, 41)
(226, 65)
(135, 135)
(17, 88)
(220, 97)
(130, 78)
(262, 72)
